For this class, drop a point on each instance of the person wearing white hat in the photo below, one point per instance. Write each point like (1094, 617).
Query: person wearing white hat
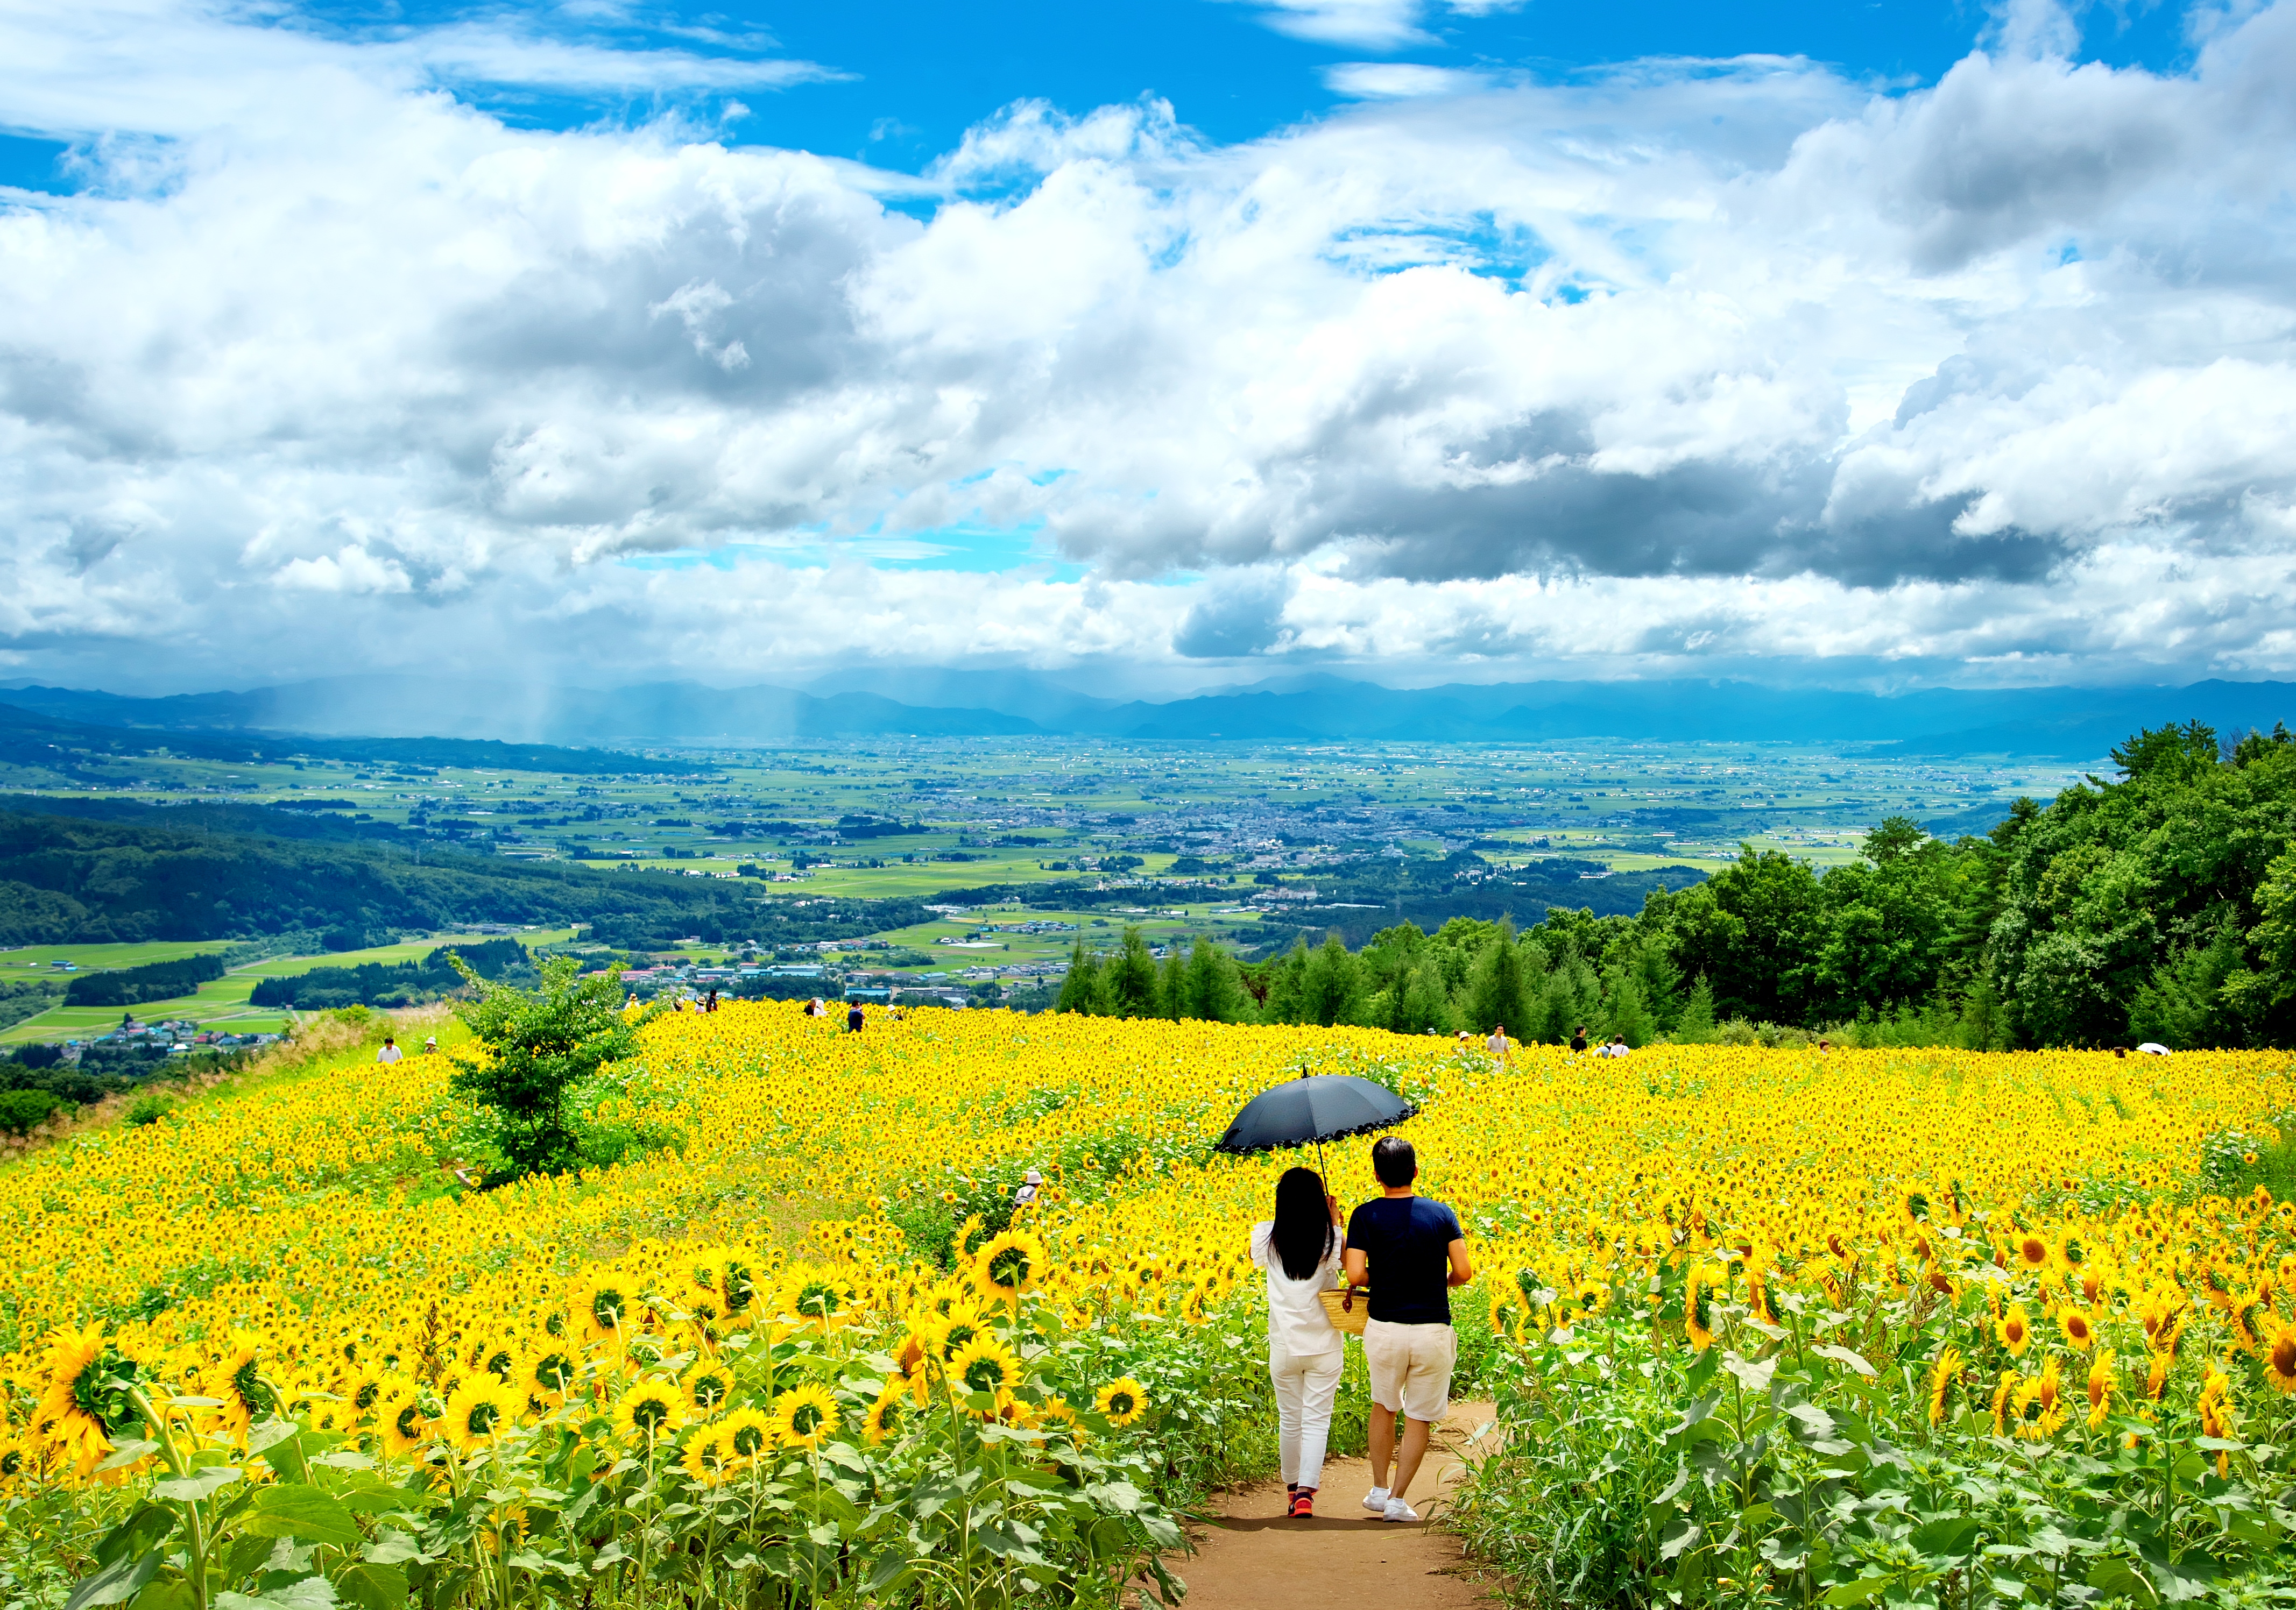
(1029, 1183)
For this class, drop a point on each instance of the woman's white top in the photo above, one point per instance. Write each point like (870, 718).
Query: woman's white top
(1298, 1327)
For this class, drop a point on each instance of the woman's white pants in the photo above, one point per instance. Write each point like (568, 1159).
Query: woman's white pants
(1305, 1388)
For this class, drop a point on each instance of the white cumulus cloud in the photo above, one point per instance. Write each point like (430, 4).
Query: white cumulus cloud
(1685, 363)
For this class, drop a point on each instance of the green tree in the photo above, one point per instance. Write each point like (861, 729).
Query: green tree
(537, 1047)
(1078, 991)
(1424, 1004)
(1660, 983)
(1752, 930)
(1329, 984)
(1623, 1008)
(1286, 981)
(1214, 993)
(1131, 977)
(1172, 985)
(1695, 1025)
(1494, 992)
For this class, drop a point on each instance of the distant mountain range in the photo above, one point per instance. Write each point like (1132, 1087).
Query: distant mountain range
(2072, 722)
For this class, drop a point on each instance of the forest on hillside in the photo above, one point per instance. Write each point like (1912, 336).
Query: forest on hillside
(2159, 905)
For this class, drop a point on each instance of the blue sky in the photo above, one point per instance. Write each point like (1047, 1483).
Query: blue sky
(1860, 343)
(911, 77)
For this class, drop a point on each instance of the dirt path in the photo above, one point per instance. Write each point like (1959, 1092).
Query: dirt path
(1345, 1558)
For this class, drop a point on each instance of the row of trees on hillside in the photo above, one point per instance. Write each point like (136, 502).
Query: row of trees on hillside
(2158, 906)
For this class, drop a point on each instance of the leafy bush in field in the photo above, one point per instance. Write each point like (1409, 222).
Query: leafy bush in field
(22, 1110)
(148, 1109)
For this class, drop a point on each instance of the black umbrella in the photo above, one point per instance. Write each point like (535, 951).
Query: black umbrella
(1313, 1109)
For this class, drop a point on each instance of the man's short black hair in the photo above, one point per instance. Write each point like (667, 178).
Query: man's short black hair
(1394, 1162)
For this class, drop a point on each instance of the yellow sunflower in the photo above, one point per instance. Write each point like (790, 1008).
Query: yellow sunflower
(499, 1358)
(1010, 1265)
(15, 1461)
(2104, 1380)
(2080, 1330)
(649, 1411)
(737, 1284)
(1944, 1375)
(551, 1373)
(2015, 1331)
(2280, 1359)
(707, 1386)
(888, 1414)
(1058, 1411)
(986, 1365)
(696, 1287)
(481, 1409)
(1698, 1304)
(601, 1307)
(400, 1422)
(1122, 1402)
(956, 1330)
(819, 1297)
(2001, 1391)
(237, 1378)
(804, 1417)
(747, 1436)
(2029, 1252)
(2036, 1412)
(706, 1463)
(77, 1408)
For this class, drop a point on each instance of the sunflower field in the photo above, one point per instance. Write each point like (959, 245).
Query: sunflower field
(1761, 1326)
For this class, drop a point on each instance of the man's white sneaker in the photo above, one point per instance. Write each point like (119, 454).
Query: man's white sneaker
(1398, 1510)
(1375, 1501)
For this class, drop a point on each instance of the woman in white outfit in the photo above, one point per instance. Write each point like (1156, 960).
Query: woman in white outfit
(1300, 1249)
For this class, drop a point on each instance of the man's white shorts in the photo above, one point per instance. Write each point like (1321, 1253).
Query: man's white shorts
(1411, 1367)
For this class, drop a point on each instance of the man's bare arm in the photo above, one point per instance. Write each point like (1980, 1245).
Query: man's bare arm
(1461, 1271)
(1358, 1267)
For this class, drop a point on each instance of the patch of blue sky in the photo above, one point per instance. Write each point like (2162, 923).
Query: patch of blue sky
(32, 162)
(964, 546)
(1480, 246)
(910, 77)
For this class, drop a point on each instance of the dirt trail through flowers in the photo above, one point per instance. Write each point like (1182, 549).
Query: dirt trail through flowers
(1252, 1558)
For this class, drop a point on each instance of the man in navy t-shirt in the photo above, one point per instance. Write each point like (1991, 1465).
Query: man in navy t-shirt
(1410, 1251)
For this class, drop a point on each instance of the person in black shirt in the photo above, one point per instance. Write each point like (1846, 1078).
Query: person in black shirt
(1410, 1251)
(853, 1018)
(1579, 1038)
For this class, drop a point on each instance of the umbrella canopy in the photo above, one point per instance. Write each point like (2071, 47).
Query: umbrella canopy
(1318, 1106)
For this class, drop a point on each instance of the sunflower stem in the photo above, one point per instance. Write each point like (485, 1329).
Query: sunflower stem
(193, 1524)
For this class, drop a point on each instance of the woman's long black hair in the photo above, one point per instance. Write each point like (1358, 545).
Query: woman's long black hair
(1303, 1224)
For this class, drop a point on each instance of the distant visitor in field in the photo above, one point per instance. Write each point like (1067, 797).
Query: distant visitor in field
(1498, 1044)
(390, 1052)
(1410, 1251)
(1299, 1248)
(853, 1019)
(1579, 1038)
(1031, 1184)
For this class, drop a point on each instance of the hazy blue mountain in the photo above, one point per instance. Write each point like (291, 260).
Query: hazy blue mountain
(2078, 722)
(392, 706)
(1047, 702)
